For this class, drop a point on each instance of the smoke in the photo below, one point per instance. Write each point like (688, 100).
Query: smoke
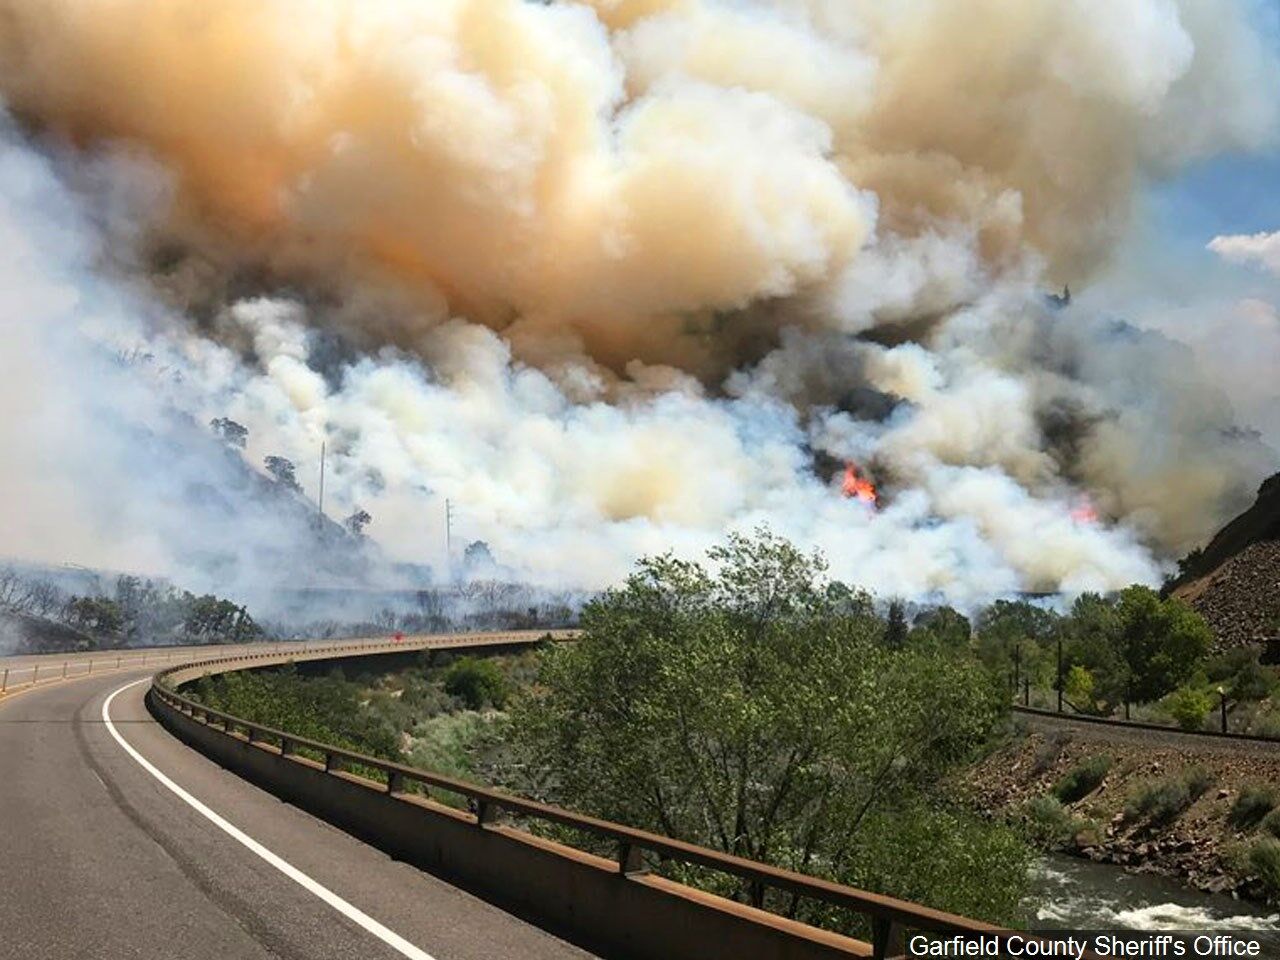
(615, 277)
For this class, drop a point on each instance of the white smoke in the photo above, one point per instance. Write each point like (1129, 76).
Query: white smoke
(614, 278)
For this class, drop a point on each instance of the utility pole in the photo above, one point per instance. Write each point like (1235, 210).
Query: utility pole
(1060, 683)
(448, 538)
(323, 445)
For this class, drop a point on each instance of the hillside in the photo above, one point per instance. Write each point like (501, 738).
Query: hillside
(1234, 582)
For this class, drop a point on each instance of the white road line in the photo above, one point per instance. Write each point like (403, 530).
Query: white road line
(389, 937)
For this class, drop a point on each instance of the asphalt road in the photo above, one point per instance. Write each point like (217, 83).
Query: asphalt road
(99, 858)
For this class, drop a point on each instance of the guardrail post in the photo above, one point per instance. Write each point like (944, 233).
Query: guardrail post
(630, 859)
(286, 747)
(886, 938)
(485, 811)
(64, 669)
(395, 782)
(90, 670)
(4, 684)
(332, 762)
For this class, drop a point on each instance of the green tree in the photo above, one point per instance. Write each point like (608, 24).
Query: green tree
(100, 615)
(740, 707)
(477, 683)
(1010, 630)
(944, 625)
(896, 627)
(1162, 642)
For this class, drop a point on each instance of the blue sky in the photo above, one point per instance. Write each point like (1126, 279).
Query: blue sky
(1236, 194)
(1228, 195)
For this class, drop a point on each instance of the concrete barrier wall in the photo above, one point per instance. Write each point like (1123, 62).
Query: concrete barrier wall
(580, 897)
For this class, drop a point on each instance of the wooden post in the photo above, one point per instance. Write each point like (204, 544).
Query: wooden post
(886, 938)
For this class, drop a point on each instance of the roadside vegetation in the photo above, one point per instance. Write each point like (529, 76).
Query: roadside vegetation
(754, 706)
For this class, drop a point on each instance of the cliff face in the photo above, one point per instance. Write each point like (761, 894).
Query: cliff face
(1234, 582)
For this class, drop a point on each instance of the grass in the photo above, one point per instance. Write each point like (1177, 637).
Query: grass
(1271, 823)
(1082, 779)
(1163, 801)
(1254, 802)
(1264, 860)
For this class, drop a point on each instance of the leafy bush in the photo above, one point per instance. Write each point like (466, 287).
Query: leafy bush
(1165, 800)
(1048, 752)
(327, 709)
(1079, 687)
(1254, 802)
(1198, 779)
(1047, 821)
(477, 683)
(1189, 707)
(1271, 823)
(1083, 778)
(1264, 859)
(1252, 682)
(1266, 724)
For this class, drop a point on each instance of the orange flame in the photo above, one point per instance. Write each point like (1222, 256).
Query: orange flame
(857, 487)
(1084, 512)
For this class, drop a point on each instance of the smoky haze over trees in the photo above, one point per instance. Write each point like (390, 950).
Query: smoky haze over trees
(39, 616)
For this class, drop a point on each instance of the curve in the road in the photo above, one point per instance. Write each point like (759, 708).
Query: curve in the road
(102, 861)
(356, 915)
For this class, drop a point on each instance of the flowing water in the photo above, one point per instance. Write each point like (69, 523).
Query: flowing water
(1078, 894)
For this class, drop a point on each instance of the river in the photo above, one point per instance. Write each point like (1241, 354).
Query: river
(1078, 894)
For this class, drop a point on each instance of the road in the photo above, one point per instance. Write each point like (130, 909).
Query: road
(100, 858)
(21, 670)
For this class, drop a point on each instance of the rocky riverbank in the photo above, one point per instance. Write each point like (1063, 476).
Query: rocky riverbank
(1151, 804)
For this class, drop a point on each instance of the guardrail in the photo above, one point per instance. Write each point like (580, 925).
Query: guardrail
(71, 669)
(48, 669)
(889, 918)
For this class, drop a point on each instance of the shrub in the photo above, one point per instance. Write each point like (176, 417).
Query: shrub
(1079, 687)
(1266, 725)
(1198, 779)
(1254, 802)
(1264, 859)
(1189, 707)
(1048, 752)
(1271, 823)
(477, 683)
(1083, 778)
(1252, 682)
(1165, 800)
(1046, 821)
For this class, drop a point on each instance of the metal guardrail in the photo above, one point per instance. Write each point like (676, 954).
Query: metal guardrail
(48, 669)
(889, 917)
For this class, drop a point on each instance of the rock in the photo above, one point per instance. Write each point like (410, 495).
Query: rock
(1219, 884)
(1224, 793)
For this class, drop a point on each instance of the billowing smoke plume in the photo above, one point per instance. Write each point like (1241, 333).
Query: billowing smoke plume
(616, 276)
